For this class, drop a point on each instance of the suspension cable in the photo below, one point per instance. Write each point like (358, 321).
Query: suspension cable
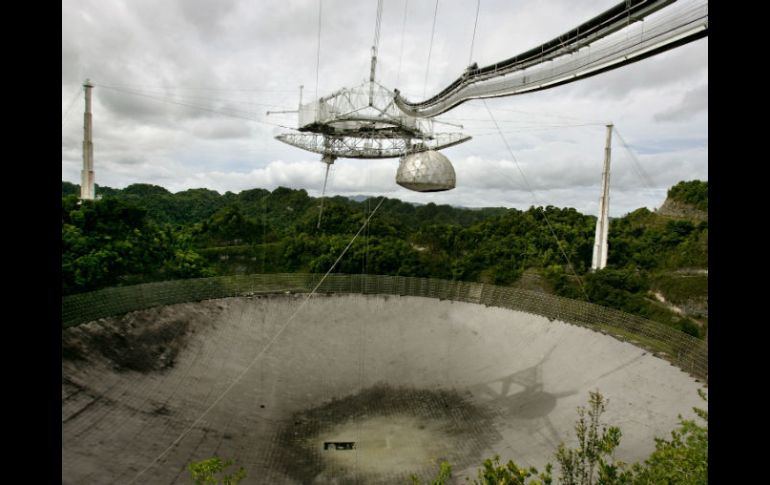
(69, 106)
(430, 50)
(189, 97)
(261, 352)
(375, 46)
(217, 89)
(202, 108)
(635, 162)
(531, 191)
(473, 38)
(401, 52)
(264, 229)
(318, 52)
(377, 23)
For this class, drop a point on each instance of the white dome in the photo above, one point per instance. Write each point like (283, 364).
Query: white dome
(427, 171)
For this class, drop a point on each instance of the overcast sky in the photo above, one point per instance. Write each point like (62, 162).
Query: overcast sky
(182, 87)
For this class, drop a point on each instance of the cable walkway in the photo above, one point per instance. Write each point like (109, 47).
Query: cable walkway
(617, 37)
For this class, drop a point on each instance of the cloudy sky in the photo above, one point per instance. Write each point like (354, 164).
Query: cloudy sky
(183, 86)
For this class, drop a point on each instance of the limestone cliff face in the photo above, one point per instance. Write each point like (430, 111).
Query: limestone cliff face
(676, 208)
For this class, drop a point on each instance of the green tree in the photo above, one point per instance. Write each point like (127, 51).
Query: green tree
(493, 473)
(694, 192)
(617, 288)
(444, 474)
(683, 460)
(68, 188)
(125, 238)
(108, 242)
(592, 461)
(206, 472)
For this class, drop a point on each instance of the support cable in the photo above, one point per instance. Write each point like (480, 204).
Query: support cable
(362, 324)
(531, 191)
(375, 47)
(646, 180)
(401, 52)
(217, 343)
(69, 106)
(165, 88)
(318, 52)
(189, 97)
(568, 118)
(430, 50)
(473, 38)
(264, 229)
(261, 352)
(210, 110)
(532, 128)
(377, 23)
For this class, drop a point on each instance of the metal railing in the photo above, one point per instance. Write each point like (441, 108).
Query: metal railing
(674, 25)
(686, 352)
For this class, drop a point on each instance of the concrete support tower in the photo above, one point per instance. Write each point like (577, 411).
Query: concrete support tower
(87, 174)
(599, 260)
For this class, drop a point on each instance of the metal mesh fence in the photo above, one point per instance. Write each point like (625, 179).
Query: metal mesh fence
(686, 352)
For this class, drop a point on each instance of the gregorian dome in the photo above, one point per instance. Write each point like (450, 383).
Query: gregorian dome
(426, 171)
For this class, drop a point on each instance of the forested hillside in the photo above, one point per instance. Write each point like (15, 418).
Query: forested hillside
(144, 232)
(689, 200)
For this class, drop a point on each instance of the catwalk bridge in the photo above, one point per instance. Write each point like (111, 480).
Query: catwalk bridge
(628, 32)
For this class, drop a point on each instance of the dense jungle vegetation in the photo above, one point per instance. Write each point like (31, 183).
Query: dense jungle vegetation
(145, 233)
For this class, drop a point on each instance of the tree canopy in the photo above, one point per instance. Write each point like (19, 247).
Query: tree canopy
(694, 192)
(144, 232)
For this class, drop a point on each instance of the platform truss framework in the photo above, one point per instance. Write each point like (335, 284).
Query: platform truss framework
(364, 122)
(360, 147)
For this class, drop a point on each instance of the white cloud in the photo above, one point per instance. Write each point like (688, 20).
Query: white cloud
(693, 102)
(204, 69)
